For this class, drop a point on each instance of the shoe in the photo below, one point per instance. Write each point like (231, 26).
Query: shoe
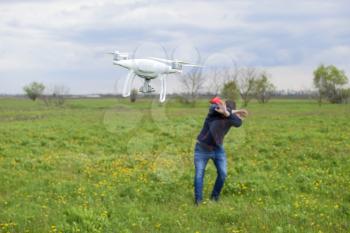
(197, 202)
(214, 198)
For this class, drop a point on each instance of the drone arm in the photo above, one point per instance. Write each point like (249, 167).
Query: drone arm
(128, 84)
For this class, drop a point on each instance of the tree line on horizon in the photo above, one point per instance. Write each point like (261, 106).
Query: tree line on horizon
(237, 83)
(252, 83)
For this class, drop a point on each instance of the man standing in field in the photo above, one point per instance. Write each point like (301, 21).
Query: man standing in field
(221, 117)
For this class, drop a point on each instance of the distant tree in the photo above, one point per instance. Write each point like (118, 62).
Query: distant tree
(329, 81)
(219, 76)
(263, 88)
(230, 90)
(231, 73)
(133, 95)
(247, 83)
(193, 83)
(55, 95)
(215, 76)
(345, 95)
(34, 90)
(59, 94)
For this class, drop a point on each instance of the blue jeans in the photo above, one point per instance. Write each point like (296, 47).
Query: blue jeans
(201, 157)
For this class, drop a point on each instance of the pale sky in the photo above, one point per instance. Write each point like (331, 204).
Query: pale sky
(64, 42)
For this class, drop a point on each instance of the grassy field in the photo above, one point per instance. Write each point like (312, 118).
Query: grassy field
(105, 165)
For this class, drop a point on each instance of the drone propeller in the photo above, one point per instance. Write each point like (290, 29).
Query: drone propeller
(117, 53)
(113, 53)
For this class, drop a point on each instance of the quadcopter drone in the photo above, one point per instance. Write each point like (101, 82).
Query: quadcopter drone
(148, 69)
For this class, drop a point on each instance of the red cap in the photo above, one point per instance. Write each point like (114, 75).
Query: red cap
(215, 100)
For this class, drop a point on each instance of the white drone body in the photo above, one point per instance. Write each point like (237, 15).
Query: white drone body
(148, 69)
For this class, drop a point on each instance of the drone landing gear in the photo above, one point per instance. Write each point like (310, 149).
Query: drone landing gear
(147, 88)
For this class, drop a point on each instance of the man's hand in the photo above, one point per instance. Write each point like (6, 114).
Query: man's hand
(221, 108)
(241, 113)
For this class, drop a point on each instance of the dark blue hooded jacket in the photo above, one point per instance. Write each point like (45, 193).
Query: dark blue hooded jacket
(216, 127)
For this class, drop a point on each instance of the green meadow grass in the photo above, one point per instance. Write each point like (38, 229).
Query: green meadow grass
(106, 165)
